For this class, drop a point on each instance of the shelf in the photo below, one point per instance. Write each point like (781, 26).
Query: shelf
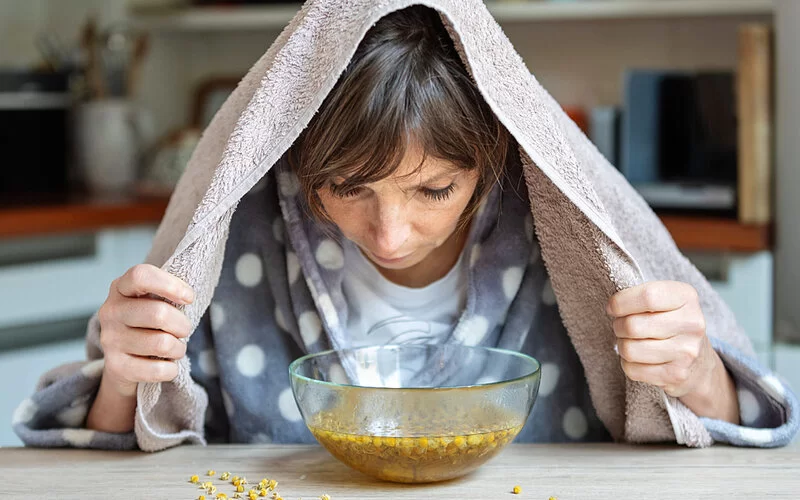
(625, 9)
(202, 19)
(82, 214)
(215, 18)
(90, 214)
(714, 234)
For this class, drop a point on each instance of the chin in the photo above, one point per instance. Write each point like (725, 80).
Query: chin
(396, 264)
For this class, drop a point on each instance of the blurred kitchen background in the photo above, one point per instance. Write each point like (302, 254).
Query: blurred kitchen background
(697, 102)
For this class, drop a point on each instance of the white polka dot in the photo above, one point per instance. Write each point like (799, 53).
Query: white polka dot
(529, 227)
(289, 184)
(208, 362)
(550, 374)
(536, 253)
(249, 270)
(328, 310)
(548, 296)
(277, 230)
(217, 316)
(310, 327)
(93, 369)
(475, 255)
(774, 387)
(288, 406)
(473, 330)
(756, 436)
(250, 360)
(337, 375)
(260, 438)
(512, 277)
(329, 255)
(749, 409)
(292, 267)
(24, 412)
(574, 423)
(73, 416)
(227, 402)
(79, 438)
(280, 320)
(259, 186)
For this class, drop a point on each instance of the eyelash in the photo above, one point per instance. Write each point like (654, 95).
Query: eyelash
(432, 194)
(439, 194)
(339, 192)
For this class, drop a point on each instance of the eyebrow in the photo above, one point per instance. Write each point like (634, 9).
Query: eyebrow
(439, 177)
(448, 172)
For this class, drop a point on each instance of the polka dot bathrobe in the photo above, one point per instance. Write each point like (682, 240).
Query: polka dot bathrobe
(280, 296)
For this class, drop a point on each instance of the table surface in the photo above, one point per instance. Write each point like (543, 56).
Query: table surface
(576, 471)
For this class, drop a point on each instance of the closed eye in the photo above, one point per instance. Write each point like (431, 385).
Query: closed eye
(342, 192)
(432, 194)
(439, 194)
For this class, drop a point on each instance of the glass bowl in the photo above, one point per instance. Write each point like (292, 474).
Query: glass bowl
(415, 413)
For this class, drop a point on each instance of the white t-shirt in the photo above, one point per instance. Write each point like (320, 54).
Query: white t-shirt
(381, 312)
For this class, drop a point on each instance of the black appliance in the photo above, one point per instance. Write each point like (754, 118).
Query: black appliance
(34, 114)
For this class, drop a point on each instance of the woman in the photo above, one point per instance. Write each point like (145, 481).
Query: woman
(402, 208)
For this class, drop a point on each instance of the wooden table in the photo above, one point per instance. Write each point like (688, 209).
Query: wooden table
(567, 472)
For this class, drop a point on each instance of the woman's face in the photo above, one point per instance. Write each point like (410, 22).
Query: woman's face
(398, 221)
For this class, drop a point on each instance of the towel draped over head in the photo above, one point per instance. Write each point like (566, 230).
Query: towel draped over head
(597, 236)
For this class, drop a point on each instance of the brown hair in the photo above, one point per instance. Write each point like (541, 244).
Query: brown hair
(405, 82)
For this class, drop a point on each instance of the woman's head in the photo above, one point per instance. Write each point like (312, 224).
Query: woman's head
(404, 148)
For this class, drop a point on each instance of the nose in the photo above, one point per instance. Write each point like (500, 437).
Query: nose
(391, 230)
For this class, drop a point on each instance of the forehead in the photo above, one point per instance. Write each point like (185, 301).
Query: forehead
(415, 164)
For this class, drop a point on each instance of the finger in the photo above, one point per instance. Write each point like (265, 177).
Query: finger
(668, 376)
(663, 325)
(142, 342)
(154, 314)
(650, 352)
(143, 279)
(654, 296)
(153, 370)
(647, 373)
(139, 369)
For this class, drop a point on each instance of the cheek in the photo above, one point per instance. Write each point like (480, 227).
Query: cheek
(437, 221)
(344, 213)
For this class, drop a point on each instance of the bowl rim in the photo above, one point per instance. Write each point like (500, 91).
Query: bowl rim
(297, 362)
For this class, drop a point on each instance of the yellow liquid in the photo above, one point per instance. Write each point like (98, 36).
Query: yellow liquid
(418, 459)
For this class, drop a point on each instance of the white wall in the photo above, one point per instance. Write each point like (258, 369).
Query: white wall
(787, 254)
(67, 288)
(63, 18)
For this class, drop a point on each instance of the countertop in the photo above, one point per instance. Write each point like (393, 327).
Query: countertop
(566, 472)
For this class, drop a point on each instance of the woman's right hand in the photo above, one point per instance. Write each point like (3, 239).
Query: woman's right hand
(143, 337)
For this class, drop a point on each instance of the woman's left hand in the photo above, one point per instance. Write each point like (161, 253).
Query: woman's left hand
(661, 338)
